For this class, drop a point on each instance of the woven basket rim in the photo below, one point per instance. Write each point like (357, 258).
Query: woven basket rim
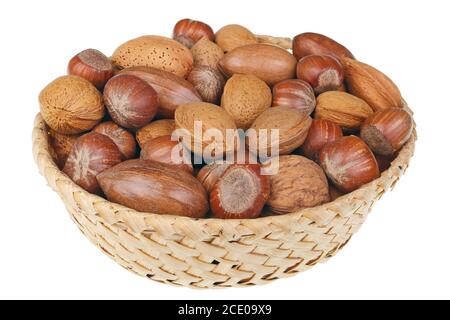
(40, 141)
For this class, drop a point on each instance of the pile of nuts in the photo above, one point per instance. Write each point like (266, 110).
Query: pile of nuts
(340, 122)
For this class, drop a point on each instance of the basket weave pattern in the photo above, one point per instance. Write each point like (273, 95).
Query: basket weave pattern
(208, 253)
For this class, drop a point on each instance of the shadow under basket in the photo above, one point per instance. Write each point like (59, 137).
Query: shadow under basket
(213, 253)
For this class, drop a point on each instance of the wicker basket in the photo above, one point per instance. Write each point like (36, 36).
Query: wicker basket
(207, 253)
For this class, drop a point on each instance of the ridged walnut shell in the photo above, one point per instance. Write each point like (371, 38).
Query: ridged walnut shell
(371, 85)
(71, 105)
(172, 90)
(245, 97)
(293, 126)
(154, 187)
(155, 51)
(343, 109)
(300, 183)
(271, 64)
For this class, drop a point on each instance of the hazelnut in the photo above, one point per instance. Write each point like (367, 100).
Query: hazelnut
(294, 93)
(300, 183)
(188, 32)
(309, 43)
(71, 105)
(155, 129)
(164, 149)
(91, 154)
(233, 36)
(61, 145)
(154, 187)
(206, 53)
(320, 133)
(240, 193)
(93, 66)
(349, 163)
(245, 97)
(387, 131)
(343, 109)
(123, 139)
(208, 82)
(335, 193)
(384, 162)
(131, 102)
(323, 73)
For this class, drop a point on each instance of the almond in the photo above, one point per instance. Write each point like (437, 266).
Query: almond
(211, 117)
(206, 53)
(245, 97)
(156, 129)
(155, 51)
(271, 64)
(172, 90)
(293, 126)
(371, 85)
(233, 36)
(343, 109)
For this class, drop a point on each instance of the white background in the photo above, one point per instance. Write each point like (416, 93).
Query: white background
(401, 252)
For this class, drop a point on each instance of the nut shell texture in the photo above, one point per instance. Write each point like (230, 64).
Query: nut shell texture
(300, 183)
(293, 126)
(271, 64)
(310, 43)
(172, 90)
(62, 145)
(206, 53)
(91, 154)
(132, 103)
(192, 31)
(156, 129)
(245, 97)
(208, 82)
(154, 187)
(371, 85)
(71, 105)
(155, 51)
(233, 36)
(123, 139)
(240, 193)
(343, 109)
(294, 93)
(320, 133)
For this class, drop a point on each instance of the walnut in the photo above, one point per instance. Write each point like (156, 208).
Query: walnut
(300, 183)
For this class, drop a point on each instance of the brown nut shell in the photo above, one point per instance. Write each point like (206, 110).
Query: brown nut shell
(245, 97)
(164, 149)
(294, 93)
(208, 82)
(155, 51)
(293, 126)
(93, 66)
(270, 63)
(349, 163)
(91, 154)
(300, 183)
(172, 90)
(233, 36)
(132, 103)
(123, 139)
(212, 117)
(371, 85)
(158, 128)
(61, 145)
(343, 109)
(206, 53)
(387, 131)
(71, 105)
(240, 193)
(154, 187)
(310, 43)
(320, 133)
(188, 32)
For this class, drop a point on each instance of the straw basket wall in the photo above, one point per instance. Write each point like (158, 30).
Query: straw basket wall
(208, 253)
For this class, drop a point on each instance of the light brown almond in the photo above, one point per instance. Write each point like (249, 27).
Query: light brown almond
(156, 129)
(343, 109)
(206, 53)
(245, 97)
(233, 36)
